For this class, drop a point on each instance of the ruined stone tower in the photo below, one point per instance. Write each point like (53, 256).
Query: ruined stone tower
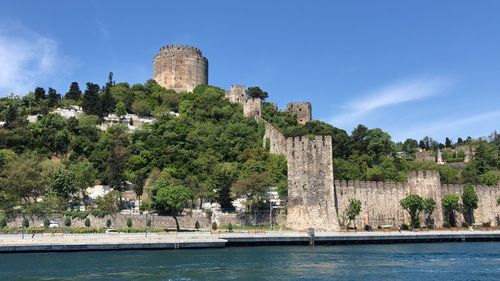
(251, 106)
(180, 67)
(302, 110)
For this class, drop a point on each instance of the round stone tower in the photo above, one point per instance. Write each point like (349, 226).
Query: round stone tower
(180, 67)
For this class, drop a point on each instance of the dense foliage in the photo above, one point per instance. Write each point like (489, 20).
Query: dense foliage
(200, 143)
(208, 148)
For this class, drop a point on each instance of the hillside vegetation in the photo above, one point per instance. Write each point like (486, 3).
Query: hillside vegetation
(208, 153)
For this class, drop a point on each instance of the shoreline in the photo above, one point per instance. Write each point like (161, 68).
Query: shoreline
(154, 241)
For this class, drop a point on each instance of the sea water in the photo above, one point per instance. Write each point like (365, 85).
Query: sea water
(436, 261)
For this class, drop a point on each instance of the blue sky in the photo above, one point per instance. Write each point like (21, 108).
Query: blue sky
(412, 68)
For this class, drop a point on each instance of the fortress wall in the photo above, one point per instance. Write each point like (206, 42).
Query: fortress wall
(273, 139)
(487, 210)
(379, 201)
(310, 184)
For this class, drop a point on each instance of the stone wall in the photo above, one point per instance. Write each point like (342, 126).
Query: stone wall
(302, 110)
(487, 210)
(421, 156)
(187, 220)
(381, 200)
(274, 140)
(310, 184)
(180, 67)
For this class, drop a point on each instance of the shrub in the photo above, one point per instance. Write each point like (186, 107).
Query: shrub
(368, 227)
(129, 222)
(67, 221)
(26, 222)
(87, 222)
(404, 226)
(3, 222)
(148, 221)
(77, 214)
(214, 226)
(487, 224)
(446, 225)
(108, 223)
(230, 227)
(464, 224)
(46, 222)
(379, 226)
(197, 225)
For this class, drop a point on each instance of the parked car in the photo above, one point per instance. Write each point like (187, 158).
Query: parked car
(112, 230)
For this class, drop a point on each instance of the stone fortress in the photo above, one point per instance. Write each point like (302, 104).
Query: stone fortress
(315, 198)
(180, 67)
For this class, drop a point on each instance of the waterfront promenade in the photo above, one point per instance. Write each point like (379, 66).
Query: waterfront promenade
(186, 240)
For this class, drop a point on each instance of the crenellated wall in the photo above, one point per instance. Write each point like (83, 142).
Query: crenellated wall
(487, 210)
(310, 184)
(381, 200)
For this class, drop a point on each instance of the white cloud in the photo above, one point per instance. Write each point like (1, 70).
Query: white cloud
(449, 127)
(390, 95)
(27, 58)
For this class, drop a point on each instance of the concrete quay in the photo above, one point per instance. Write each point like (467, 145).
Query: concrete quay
(190, 240)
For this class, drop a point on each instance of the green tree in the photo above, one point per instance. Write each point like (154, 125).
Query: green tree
(39, 94)
(11, 116)
(469, 200)
(129, 222)
(450, 207)
(169, 199)
(414, 205)
(46, 222)
(352, 211)
(253, 187)
(214, 226)
(91, 103)
(26, 223)
(109, 204)
(53, 98)
(87, 222)
(64, 183)
(107, 100)
(197, 225)
(108, 223)
(3, 222)
(74, 92)
(429, 205)
(120, 109)
(67, 221)
(257, 92)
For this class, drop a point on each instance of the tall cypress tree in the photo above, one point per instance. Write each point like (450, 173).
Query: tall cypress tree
(91, 103)
(74, 92)
(107, 100)
(39, 94)
(53, 98)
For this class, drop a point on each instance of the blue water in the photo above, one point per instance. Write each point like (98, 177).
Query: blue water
(444, 261)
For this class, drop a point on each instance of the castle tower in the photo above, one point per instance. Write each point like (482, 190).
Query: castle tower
(310, 184)
(302, 110)
(237, 94)
(180, 67)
